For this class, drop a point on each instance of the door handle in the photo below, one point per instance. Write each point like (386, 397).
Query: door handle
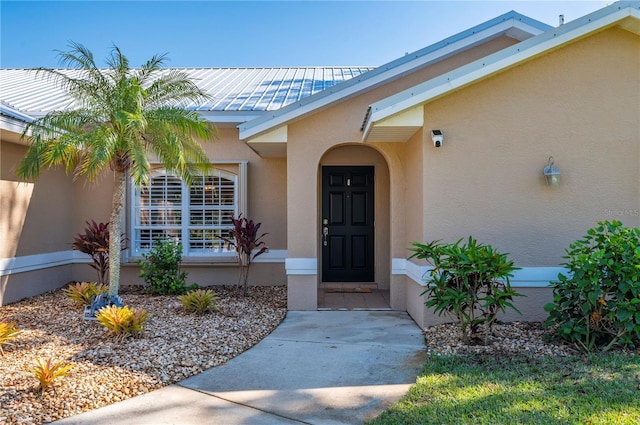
(325, 233)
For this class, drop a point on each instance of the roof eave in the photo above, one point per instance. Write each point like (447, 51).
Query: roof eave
(500, 61)
(509, 22)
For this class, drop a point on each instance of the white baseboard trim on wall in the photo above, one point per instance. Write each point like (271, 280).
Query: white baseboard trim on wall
(527, 277)
(301, 266)
(27, 263)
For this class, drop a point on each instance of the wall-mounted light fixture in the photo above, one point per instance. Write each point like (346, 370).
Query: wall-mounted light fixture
(551, 174)
(437, 137)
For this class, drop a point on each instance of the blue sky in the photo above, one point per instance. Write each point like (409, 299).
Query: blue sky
(250, 33)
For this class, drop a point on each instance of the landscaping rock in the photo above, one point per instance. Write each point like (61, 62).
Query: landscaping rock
(175, 345)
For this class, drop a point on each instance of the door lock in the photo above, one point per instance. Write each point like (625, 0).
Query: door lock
(325, 233)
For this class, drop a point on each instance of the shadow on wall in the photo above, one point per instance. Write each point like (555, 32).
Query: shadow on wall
(35, 222)
(15, 198)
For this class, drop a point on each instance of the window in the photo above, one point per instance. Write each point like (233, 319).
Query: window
(198, 216)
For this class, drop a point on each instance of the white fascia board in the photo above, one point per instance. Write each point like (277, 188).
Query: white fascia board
(384, 73)
(499, 61)
(235, 118)
(12, 125)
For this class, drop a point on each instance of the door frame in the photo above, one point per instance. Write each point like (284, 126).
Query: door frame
(371, 267)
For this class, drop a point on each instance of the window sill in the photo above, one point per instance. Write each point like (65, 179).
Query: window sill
(195, 261)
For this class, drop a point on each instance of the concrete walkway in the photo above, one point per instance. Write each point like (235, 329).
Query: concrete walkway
(319, 367)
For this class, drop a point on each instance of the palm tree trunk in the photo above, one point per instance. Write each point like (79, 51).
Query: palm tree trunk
(114, 232)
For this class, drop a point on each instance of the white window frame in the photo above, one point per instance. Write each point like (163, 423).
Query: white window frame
(187, 254)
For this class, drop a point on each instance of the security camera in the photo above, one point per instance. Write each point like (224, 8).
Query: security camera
(437, 137)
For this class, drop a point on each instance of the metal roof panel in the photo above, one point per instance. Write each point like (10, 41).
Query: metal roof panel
(231, 89)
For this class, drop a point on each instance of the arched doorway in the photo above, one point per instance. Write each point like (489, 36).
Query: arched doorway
(353, 222)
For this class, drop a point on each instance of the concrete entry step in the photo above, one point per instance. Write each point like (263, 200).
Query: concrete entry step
(352, 297)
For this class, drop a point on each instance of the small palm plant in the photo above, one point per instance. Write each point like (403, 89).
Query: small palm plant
(248, 245)
(122, 116)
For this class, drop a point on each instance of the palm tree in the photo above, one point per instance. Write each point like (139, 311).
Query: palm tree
(124, 114)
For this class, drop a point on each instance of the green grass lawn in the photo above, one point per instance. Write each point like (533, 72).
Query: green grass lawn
(590, 390)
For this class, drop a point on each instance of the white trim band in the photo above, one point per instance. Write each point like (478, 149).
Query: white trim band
(27, 263)
(527, 277)
(301, 266)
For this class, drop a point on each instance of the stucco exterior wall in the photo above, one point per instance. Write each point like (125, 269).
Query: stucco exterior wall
(45, 208)
(35, 220)
(42, 218)
(266, 204)
(579, 104)
(313, 136)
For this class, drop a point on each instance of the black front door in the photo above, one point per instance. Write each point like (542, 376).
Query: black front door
(347, 230)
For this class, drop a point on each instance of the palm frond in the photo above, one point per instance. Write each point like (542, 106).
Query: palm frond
(99, 153)
(151, 67)
(140, 166)
(174, 88)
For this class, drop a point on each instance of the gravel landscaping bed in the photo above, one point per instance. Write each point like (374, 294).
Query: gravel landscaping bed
(509, 339)
(175, 345)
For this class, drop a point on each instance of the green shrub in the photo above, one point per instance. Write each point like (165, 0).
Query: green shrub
(161, 270)
(469, 282)
(122, 321)
(82, 292)
(8, 331)
(199, 301)
(597, 305)
(46, 371)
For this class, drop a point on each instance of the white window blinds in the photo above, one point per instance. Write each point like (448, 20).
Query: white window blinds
(198, 216)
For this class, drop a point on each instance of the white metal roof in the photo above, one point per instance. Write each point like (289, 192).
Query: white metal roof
(232, 90)
(394, 118)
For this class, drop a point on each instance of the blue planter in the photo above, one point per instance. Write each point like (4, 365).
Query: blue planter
(100, 301)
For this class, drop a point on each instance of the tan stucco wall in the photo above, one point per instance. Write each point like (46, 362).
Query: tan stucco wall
(43, 217)
(266, 201)
(267, 181)
(579, 104)
(17, 286)
(35, 217)
(313, 136)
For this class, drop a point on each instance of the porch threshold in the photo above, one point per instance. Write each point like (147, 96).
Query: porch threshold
(353, 297)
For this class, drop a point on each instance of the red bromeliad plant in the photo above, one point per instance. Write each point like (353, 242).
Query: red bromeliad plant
(248, 245)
